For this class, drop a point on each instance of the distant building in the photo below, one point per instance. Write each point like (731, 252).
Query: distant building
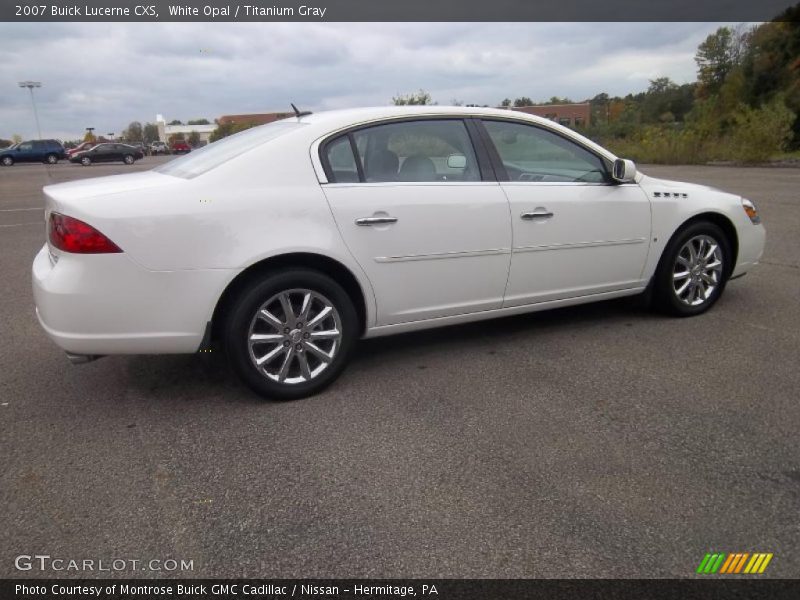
(165, 131)
(253, 119)
(570, 115)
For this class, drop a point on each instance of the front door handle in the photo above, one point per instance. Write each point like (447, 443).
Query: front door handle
(539, 213)
(376, 220)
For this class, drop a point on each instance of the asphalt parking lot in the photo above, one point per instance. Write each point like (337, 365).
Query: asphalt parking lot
(597, 441)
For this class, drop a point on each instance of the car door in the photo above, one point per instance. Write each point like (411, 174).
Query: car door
(25, 152)
(103, 153)
(416, 211)
(576, 232)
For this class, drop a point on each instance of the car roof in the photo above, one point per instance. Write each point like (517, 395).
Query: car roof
(382, 112)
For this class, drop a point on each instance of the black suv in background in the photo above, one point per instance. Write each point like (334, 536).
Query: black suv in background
(48, 151)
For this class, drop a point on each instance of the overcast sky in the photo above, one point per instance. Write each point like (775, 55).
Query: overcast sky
(106, 75)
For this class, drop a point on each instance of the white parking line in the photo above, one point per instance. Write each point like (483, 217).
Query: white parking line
(21, 224)
(18, 209)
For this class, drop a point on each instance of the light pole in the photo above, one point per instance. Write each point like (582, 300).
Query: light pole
(30, 85)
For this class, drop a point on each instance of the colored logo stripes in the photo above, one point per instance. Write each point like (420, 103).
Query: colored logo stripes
(734, 563)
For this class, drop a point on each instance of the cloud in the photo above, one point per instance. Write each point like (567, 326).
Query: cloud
(106, 75)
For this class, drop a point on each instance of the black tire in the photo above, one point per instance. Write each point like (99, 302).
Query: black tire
(128, 159)
(666, 296)
(86, 161)
(242, 316)
(7, 161)
(51, 159)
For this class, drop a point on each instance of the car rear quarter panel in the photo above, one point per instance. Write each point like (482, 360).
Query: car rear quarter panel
(264, 203)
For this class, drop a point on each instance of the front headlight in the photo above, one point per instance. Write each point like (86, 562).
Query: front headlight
(750, 208)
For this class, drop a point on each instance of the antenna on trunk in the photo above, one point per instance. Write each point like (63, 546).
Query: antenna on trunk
(299, 113)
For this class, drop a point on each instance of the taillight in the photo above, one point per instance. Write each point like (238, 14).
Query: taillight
(72, 235)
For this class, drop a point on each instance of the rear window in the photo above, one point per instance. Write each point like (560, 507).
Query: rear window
(211, 156)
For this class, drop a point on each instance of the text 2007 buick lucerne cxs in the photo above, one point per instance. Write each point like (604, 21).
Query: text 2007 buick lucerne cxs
(288, 242)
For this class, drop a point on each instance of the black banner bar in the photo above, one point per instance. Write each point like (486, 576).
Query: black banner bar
(387, 11)
(391, 589)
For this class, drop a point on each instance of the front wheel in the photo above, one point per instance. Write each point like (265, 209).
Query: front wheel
(290, 335)
(128, 159)
(86, 161)
(693, 270)
(7, 161)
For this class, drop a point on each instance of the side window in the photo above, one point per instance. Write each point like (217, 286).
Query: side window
(532, 153)
(418, 151)
(27, 147)
(341, 161)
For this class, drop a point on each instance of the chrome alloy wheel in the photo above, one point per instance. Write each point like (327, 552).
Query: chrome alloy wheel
(294, 336)
(698, 270)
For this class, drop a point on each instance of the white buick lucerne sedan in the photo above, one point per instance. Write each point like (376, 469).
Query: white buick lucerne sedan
(286, 243)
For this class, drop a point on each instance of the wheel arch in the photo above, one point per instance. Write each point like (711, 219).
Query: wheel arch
(310, 260)
(718, 219)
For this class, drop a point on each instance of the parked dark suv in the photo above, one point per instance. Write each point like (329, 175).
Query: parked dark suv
(48, 151)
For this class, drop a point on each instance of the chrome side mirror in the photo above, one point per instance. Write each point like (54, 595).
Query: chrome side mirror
(624, 170)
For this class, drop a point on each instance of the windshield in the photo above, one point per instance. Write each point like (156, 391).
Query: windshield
(210, 156)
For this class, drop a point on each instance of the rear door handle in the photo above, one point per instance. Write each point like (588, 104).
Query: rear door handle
(539, 213)
(376, 220)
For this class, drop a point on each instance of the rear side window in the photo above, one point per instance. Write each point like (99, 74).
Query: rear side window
(342, 162)
(417, 151)
(531, 153)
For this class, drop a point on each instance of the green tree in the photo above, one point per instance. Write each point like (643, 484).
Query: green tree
(420, 98)
(761, 133)
(716, 56)
(523, 101)
(506, 102)
(134, 132)
(194, 139)
(16, 138)
(223, 130)
(198, 122)
(150, 133)
(5, 143)
(175, 122)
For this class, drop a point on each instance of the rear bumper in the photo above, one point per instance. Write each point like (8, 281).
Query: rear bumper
(107, 304)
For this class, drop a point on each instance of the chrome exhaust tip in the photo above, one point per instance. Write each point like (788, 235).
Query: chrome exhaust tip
(81, 359)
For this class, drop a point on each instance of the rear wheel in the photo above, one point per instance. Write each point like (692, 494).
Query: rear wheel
(86, 161)
(51, 159)
(7, 161)
(128, 159)
(693, 270)
(290, 335)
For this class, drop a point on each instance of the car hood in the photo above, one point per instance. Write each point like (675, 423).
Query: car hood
(667, 187)
(655, 184)
(105, 186)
